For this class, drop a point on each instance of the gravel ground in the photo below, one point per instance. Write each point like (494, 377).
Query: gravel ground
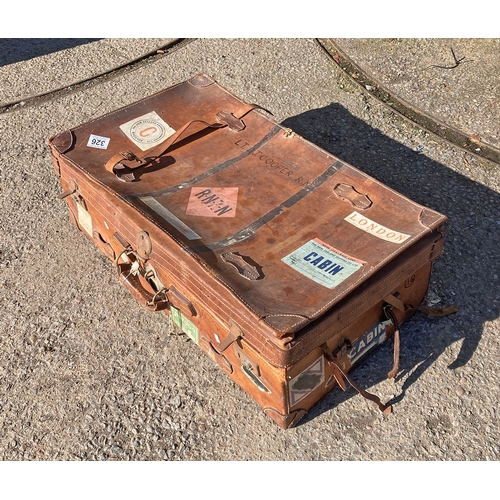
(87, 374)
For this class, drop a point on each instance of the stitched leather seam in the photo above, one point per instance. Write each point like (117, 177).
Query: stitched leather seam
(268, 353)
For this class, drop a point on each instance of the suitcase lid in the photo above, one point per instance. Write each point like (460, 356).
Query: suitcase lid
(289, 228)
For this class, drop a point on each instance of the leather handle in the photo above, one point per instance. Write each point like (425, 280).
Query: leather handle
(125, 172)
(178, 300)
(162, 148)
(131, 281)
(128, 161)
(233, 120)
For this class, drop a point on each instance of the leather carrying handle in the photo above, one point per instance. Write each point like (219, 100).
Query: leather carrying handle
(177, 299)
(152, 302)
(129, 277)
(125, 173)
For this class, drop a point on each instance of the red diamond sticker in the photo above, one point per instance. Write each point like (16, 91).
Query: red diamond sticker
(213, 202)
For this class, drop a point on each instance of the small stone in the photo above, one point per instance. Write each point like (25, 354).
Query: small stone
(460, 391)
(115, 450)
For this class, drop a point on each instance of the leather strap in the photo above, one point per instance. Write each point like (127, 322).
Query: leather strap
(125, 172)
(445, 311)
(234, 335)
(395, 302)
(162, 148)
(152, 302)
(395, 367)
(340, 375)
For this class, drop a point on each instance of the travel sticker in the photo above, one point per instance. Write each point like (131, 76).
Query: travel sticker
(147, 130)
(84, 219)
(213, 202)
(186, 325)
(371, 227)
(322, 263)
(304, 383)
(373, 337)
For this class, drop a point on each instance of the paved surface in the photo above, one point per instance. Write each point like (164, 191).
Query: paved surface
(454, 82)
(63, 62)
(87, 374)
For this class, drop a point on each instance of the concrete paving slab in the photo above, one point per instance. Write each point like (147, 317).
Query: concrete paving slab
(87, 374)
(33, 66)
(453, 81)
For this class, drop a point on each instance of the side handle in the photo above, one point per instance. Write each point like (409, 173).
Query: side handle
(130, 279)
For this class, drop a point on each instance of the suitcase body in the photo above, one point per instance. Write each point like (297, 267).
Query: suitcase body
(284, 264)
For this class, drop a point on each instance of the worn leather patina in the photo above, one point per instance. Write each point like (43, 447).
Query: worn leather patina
(283, 263)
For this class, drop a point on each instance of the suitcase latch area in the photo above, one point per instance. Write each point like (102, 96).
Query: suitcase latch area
(349, 193)
(250, 368)
(232, 122)
(219, 358)
(246, 361)
(244, 268)
(343, 346)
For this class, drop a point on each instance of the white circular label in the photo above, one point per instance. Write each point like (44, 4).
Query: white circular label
(147, 131)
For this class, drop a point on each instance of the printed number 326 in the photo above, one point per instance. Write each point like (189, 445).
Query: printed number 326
(96, 141)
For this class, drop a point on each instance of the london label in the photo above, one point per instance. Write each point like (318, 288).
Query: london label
(376, 229)
(322, 263)
(147, 130)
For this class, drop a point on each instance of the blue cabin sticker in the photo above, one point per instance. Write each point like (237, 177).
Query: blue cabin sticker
(322, 263)
(373, 337)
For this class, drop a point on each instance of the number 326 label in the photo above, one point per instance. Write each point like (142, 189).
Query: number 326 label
(96, 141)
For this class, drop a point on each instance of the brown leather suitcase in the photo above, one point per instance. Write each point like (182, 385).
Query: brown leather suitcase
(283, 263)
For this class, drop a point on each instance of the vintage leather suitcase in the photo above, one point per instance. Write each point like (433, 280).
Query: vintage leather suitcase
(283, 263)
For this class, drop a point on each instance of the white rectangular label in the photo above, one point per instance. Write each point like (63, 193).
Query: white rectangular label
(369, 226)
(84, 219)
(96, 141)
(322, 263)
(147, 131)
